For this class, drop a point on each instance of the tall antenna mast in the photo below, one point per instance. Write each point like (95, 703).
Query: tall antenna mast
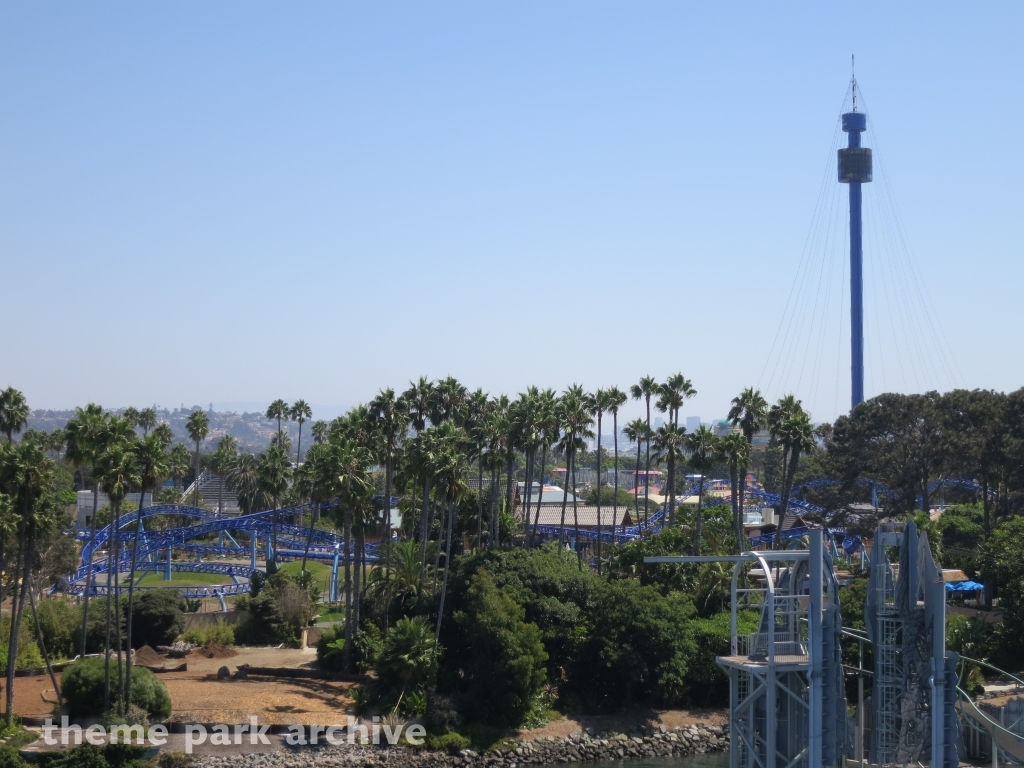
(853, 82)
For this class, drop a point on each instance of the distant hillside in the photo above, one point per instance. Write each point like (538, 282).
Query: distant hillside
(252, 430)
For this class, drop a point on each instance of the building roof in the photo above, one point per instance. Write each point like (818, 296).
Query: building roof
(551, 494)
(551, 515)
(953, 575)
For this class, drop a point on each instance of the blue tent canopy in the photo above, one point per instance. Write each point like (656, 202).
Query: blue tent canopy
(964, 586)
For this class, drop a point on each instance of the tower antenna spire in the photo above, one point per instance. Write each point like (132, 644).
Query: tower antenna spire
(853, 81)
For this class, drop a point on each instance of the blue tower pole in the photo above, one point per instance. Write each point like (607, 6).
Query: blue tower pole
(855, 170)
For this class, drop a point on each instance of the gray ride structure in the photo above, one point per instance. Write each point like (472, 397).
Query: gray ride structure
(787, 693)
(915, 681)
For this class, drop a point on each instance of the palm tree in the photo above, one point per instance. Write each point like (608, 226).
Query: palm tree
(273, 470)
(450, 467)
(736, 451)
(478, 408)
(670, 442)
(151, 465)
(147, 420)
(574, 415)
(198, 426)
(645, 389)
(221, 462)
(277, 410)
(676, 390)
(300, 412)
(354, 484)
(390, 420)
(790, 427)
(446, 401)
(131, 415)
(243, 478)
(165, 434)
(13, 412)
(636, 432)
(320, 430)
(704, 451)
(24, 474)
(178, 464)
(749, 412)
(547, 434)
(600, 403)
(118, 473)
(418, 397)
(616, 398)
(86, 439)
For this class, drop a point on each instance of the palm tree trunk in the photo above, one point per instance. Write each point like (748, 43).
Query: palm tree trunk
(529, 491)
(576, 514)
(480, 497)
(742, 482)
(671, 483)
(386, 539)
(510, 470)
(565, 500)
(615, 499)
(117, 605)
(437, 552)
(349, 556)
(636, 496)
(106, 639)
(424, 531)
(646, 479)
(599, 494)
(298, 448)
(89, 576)
(540, 493)
(737, 521)
(357, 581)
(495, 480)
(42, 647)
(131, 597)
(309, 536)
(700, 516)
(195, 493)
(447, 561)
(12, 644)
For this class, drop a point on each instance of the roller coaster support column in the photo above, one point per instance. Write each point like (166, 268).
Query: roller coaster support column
(167, 565)
(252, 550)
(223, 605)
(814, 639)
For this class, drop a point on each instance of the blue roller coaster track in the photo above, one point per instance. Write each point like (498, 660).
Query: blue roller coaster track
(156, 544)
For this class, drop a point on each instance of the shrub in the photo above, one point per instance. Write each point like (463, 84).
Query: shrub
(60, 623)
(220, 632)
(639, 646)
(708, 684)
(366, 647)
(266, 624)
(500, 664)
(158, 618)
(10, 758)
(448, 742)
(89, 756)
(28, 651)
(82, 684)
(174, 760)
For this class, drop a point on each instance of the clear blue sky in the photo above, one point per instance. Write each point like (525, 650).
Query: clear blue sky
(233, 202)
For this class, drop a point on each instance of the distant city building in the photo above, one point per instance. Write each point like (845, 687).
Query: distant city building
(692, 423)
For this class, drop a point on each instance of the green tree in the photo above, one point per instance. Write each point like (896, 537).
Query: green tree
(644, 390)
(638, 647)
(575, 420)
(278, 410)
(118, 473)
(636, 432)
(500, 666)
(670, 441)
(749, 412)
(13, 412)
(735, 448)
(87, 436)
(300, 412)
(151, 465)
(273, 470)
(198, 427)
(791, 428)
(406, 664)
(704, 455)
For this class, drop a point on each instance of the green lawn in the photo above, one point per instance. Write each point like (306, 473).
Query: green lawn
(321, 572)
(153, 579)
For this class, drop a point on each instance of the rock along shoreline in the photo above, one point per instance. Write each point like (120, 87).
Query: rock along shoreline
(579, 747)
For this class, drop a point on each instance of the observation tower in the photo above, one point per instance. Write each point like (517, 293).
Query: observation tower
(855, 170)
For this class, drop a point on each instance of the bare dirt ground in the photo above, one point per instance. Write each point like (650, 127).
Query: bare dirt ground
(198, 696)
(629, 719)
